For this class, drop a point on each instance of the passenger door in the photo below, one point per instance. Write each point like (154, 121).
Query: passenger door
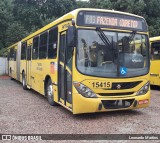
(65, 73)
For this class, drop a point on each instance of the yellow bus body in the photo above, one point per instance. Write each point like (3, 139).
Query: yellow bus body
(38, 71)
(155, 61)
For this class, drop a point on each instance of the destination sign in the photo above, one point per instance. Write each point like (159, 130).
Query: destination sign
(111, 20)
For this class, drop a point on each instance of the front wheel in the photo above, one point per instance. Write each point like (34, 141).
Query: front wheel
(49, 92)
(24, 81)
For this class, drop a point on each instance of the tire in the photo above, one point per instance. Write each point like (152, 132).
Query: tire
(49, 93)
(24, 82)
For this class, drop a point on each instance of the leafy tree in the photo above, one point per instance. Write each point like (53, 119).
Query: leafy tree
(26, 12)
(103, 4)
(47, 21)
(152, 9)
(5, 20)
(82, 4)
(56, 8)
(21, 17)
(15, 33)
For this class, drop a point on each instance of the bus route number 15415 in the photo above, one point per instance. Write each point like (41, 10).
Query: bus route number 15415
(101, 84)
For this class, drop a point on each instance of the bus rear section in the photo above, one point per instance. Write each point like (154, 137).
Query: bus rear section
(155, 61)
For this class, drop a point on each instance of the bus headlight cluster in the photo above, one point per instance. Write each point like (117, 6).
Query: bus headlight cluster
(84, 90)
(144, 89)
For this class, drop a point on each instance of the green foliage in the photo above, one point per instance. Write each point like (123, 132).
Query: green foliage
(15, 33)
(82, 4)
(19, 18)
(26, 12)
(47, 21)
(5, 20)
(103, 4)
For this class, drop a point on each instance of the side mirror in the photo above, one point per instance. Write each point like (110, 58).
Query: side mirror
(71, 36)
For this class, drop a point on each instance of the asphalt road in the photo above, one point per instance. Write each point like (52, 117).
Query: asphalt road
(27, 112)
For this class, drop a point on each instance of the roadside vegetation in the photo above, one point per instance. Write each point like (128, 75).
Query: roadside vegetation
(19, 18)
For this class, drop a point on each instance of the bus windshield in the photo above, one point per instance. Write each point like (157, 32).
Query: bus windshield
(105, 55)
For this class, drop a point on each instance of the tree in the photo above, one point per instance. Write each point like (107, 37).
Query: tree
(27, 13)
(56, 8)
(5, 20)
(82, 4)
(103, 4)
(21, 17)
(15, 33)
(151, 11)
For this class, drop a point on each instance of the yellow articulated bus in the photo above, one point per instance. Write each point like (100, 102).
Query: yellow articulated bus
(89, 60)
(155, 61)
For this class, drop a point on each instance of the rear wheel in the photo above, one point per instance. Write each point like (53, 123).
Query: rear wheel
(24, 81)
(49, 93)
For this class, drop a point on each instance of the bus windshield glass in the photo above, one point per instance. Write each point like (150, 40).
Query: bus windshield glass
(106, 53)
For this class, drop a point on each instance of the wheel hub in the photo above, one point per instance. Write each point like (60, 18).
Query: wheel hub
(50, 91)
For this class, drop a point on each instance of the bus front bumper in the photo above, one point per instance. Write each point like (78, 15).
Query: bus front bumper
(90, 105)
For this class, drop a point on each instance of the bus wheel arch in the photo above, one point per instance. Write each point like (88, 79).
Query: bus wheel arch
(48, 88)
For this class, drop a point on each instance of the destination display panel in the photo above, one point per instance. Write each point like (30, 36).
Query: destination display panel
(111, 20)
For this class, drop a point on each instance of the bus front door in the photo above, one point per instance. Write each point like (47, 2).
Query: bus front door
(29, 66)
(65, 73)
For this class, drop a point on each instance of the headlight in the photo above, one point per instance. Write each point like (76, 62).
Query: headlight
(144, 89)
(84, 90)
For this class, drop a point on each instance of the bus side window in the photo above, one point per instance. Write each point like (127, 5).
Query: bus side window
(155, 51)
(23, 51)
(15, 55)
(11, 54)
(29, 53)
(43, 46)
(52, 45)
(35, 48)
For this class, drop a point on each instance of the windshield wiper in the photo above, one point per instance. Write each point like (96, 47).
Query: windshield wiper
(103, 37)
(131, 36)
(111, 45)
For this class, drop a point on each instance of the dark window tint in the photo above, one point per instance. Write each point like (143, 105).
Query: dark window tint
(23, 51)
(52, 46)
(15, 54)
(29, 53)
(11, 53)
(43, 46)
(155, 49)
(62, 47)
(69, 52)
(35, 48)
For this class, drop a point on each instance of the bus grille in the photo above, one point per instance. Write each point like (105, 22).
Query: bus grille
(115, 94)
(117, 104)
(124, 85)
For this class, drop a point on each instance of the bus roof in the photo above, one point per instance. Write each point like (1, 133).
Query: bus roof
(104, 10)
(71, 15)
(157, 38)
